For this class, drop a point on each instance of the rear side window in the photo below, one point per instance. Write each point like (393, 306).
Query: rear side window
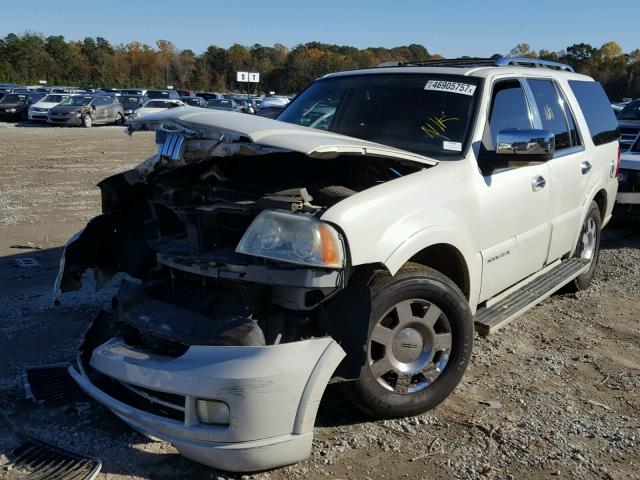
(597, 111)
(552, 113)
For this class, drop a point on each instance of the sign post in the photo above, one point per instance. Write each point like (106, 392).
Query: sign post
(249, 77)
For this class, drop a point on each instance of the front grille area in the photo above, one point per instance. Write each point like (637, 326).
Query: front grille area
(162, 404)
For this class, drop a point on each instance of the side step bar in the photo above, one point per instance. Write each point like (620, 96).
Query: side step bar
(489, 319)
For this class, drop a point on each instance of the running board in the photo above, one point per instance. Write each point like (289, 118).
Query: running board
(489, 319)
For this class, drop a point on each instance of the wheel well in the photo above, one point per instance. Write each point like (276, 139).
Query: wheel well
(447, 260)
(601, 200)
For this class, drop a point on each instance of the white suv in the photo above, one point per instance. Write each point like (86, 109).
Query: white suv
(358, 238)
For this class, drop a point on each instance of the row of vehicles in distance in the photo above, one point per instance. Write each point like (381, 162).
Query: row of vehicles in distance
(628, 197)
(87, 107)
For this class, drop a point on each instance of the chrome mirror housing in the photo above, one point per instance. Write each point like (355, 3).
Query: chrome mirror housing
(534, 145)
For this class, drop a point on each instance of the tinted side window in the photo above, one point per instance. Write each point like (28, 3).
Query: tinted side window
(573, 130)
(597, 111)
(508, 110)
(551, 111)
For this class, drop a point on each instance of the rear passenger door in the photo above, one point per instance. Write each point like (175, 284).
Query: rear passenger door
(98, 110)
(571, 168)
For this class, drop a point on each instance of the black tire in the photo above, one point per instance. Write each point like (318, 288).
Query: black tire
(415, 282)
(87, 120)
(583, 281)
(119, 119)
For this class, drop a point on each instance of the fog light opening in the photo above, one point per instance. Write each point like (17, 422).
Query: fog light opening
(212, 412)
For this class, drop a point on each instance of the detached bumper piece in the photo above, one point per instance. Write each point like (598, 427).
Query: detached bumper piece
(35, 459)
(267, 397)
(51, 385)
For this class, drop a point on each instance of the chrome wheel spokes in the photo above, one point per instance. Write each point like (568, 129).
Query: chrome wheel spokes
(588, 240)
(409, 346)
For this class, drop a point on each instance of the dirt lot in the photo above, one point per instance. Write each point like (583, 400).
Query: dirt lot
(556, 394)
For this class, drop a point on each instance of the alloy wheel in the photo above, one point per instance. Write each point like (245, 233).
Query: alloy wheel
(409, 346)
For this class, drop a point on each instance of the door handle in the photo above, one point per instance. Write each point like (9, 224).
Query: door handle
(538, 183)
(585, 167)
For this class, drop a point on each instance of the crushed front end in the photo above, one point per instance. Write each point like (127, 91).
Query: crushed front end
(237, 304)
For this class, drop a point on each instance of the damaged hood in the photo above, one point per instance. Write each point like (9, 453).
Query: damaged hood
(232, 127)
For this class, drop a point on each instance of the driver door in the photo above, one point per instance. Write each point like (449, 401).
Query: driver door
(515, 227)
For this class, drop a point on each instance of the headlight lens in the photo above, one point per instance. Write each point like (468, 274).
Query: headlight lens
(212, 412)
(11, 110)
(293, 238)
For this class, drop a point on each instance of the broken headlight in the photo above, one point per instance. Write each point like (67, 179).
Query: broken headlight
(293, 238)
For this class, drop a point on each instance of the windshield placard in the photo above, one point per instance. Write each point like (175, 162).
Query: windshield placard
(452, 87)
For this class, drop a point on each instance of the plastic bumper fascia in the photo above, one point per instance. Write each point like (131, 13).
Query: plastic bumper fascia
(273, 394)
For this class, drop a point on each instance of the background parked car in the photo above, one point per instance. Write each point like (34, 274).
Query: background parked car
(153, 106)
(87, 110)
(38, 111)
(194, 101)
(131, 103)
(134, 91)
(269, 111)
(245, 107)
(210, 95)
(229, 105)
(164, 94)
(186, 93)
(271, 100)
(7, 87)
(15, 106)
(629, 120)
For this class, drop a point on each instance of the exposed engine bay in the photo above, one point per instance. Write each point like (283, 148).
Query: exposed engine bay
(173, 226)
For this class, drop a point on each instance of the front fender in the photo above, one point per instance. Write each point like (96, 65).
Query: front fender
(454, 236)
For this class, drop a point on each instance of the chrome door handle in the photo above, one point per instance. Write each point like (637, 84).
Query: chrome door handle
(538, 183)
(585, 167)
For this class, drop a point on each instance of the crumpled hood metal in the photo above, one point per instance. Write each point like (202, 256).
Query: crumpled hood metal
(267, 132)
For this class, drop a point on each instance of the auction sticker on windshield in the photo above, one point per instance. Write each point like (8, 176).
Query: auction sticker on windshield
(453, 87)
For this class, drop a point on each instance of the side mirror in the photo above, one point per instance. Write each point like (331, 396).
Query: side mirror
(526, 146)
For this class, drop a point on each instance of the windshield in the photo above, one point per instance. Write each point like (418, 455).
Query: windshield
(53, 98)
(219, 104)
(14, 98)
(78, 101)
(422, 113)
(158, 94)
(160, 104)
(193, 101)
(630, 112)
(128, 101)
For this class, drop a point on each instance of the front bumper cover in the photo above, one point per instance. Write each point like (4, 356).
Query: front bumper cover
(273, 394)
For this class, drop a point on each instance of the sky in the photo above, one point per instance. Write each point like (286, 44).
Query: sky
(451, 28)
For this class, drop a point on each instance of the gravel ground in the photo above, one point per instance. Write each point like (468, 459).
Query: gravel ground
(556, 394)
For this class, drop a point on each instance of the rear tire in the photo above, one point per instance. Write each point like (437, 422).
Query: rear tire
(87, 121)
(588, 248)
(419, 345)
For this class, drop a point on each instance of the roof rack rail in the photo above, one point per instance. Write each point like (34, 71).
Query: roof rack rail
(533, 62)
(483, 62)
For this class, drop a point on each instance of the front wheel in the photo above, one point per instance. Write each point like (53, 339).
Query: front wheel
(419, 345)
(588, 248)
(119, 119)
(87, 121)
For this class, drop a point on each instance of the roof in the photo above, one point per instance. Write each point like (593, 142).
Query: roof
(476, 67)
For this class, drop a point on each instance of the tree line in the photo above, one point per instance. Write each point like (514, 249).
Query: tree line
(30, 57)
